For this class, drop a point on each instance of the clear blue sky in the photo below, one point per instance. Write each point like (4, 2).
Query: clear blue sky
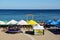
(29, 4)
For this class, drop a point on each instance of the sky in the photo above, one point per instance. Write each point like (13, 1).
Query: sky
(29, 4)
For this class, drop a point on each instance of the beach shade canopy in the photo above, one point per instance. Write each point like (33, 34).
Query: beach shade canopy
(49, 21)
(38, 27)
(58, 21)
(32, 22)
(12, 22)
(22, 22)
(2, 23)
(54, 23)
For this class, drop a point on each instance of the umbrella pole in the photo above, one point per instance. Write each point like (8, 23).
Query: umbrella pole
(32, 17)
(27, 18)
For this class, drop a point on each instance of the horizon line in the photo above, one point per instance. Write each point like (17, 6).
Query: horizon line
(29, 9)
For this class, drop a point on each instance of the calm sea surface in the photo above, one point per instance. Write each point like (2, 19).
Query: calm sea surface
(38, 15)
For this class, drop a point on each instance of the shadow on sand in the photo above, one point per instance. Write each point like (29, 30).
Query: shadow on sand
(13, 32)
(55, 31)
(29, 32)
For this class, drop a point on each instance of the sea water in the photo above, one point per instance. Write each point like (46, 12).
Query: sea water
(38, 15)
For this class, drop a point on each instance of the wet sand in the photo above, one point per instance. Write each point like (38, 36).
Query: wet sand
(21, 36)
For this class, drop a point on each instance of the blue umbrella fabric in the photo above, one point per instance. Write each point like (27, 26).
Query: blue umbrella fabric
(58, 24)
(49, 21)
(58, 21)
(54, 22)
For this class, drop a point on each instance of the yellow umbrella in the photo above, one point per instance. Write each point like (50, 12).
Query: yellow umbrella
(32, 22)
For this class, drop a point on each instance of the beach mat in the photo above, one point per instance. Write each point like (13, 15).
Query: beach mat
(55, 31)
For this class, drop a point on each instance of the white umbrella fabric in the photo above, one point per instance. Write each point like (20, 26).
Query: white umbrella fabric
(22, 22)
(38, 27)
(2, 23)
(12, 22)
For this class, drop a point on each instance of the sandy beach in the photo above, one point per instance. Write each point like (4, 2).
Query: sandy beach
(21, 36)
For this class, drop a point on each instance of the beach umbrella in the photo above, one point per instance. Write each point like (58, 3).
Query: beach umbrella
(49, 21)
(22, 22)
(54, 22)
(32, 22)
(58, 21)
(38, 27)
(12, 22)
(2, 23)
